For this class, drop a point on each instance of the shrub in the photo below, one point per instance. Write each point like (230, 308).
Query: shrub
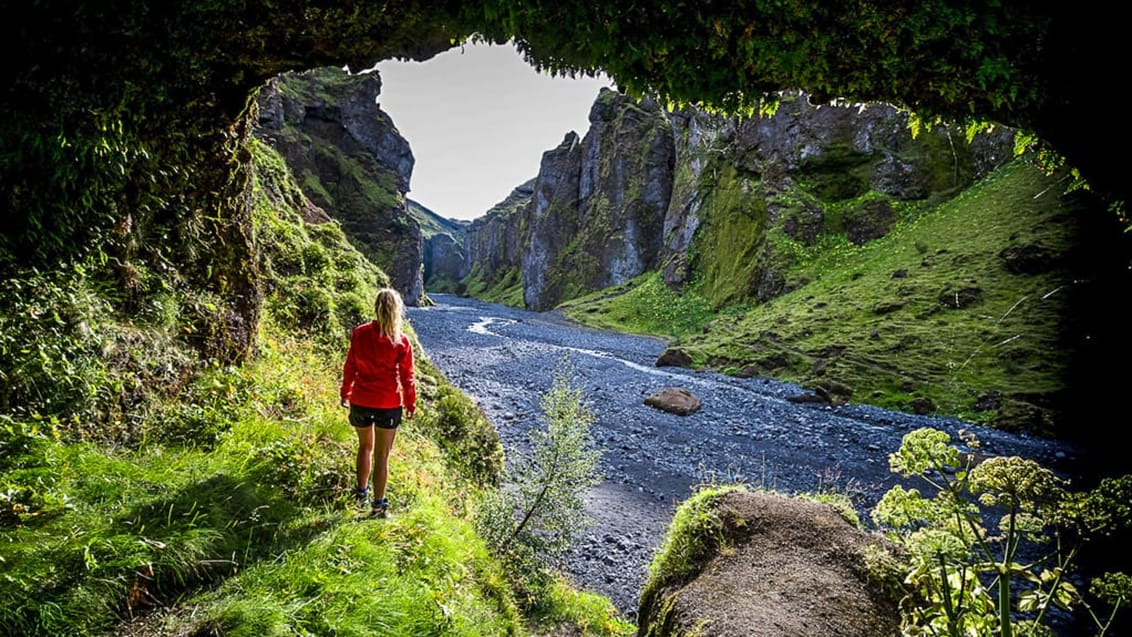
(535, 516)
(469, 441)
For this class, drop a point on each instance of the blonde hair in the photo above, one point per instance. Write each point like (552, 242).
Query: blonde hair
(390, 311)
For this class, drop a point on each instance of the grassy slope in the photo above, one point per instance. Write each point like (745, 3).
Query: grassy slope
(875, 317)
(506, 290)
(231, 514)
(432, 223)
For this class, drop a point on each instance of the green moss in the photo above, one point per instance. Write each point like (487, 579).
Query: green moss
(433, 224)
(312, 184)
(505, 287)
(948, 163)
(695, 533)
(727, 252)
(643, 305)
(839, 173)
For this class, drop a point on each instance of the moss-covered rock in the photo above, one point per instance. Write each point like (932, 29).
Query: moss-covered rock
(737, 562)
(354, 163)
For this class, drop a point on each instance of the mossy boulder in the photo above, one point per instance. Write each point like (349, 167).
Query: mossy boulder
(758, 564)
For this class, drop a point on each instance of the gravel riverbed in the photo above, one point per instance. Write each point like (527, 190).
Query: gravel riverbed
(746, 431)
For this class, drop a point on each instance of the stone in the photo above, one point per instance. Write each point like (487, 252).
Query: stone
(674, 357)
(675, 400)
(784, 567)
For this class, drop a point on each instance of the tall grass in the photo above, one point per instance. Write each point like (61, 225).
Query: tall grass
(254, 531)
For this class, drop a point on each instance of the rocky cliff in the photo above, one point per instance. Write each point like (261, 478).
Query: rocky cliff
(445, 257)
(599, 203)
(785, 180)
(351, 161)
(720, 199)
(492, 241)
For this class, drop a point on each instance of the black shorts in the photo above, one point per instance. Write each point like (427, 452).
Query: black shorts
(380, 418)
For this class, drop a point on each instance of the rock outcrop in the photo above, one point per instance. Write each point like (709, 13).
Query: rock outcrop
(445, 257)
(775, 566)
(599, 206)
(492, 242)
(698, 139)
(351, 161)
(551, 223)
(594, 215)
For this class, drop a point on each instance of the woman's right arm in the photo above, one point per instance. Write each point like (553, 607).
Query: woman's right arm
(408, 379)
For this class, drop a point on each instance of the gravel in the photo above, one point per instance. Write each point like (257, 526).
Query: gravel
(746, 432)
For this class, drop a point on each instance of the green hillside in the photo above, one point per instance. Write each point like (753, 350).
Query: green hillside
(221, 503)
(432, 223)
(929, 318)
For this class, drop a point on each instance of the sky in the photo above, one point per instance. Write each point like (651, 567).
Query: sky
(478, 120)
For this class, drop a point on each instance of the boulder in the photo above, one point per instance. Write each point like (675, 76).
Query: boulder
(674, 357)
(1031, 258)
(675, 400)
(777, 567)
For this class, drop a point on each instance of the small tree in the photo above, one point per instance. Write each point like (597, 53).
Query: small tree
(965, 578)
(536, 515)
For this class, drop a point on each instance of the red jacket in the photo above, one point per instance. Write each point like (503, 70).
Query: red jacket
(378, 374)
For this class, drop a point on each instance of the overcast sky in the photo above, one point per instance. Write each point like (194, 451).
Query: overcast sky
(478, 121)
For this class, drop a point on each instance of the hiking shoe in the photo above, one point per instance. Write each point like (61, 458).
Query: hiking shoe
(361, 497)
(380, 507)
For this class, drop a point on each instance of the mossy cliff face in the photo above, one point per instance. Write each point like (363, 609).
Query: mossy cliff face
(551, 224)
(445, 257)
(810, 171)
(698, 139)
(351, 161)
(492, 244)
(625, 188)
(724, 203)
(596, 210)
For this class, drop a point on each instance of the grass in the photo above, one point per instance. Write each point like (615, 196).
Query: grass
(506, 289)
(643, 305)
(256, 534)
(266, 504)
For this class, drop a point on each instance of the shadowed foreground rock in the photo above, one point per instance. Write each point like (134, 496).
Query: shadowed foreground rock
(788, 568)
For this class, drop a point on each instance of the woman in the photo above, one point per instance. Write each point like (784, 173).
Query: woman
(378, 386)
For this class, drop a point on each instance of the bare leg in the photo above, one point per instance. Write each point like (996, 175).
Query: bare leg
(365, 452)
(381, 459)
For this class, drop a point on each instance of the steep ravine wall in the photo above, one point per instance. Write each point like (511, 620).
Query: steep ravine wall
(717, 199)
(599, 203)
(723, 201)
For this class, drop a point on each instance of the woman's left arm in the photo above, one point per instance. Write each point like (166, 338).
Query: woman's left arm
(408, 379)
